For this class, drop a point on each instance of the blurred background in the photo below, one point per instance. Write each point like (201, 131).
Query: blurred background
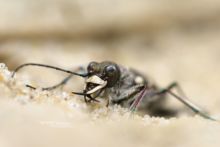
(168, 40)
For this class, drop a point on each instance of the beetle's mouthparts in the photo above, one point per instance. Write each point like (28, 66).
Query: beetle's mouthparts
(96, 80)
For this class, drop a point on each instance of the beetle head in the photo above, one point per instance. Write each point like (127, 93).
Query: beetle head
(102, 75)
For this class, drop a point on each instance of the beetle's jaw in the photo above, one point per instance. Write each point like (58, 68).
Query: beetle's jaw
(97, 81)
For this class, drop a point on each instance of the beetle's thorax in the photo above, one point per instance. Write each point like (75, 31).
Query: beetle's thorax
(128, 79)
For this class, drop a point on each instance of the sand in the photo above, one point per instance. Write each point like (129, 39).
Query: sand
(168, 41)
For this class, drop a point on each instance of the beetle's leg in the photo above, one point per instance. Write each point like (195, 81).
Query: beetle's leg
(146, 93)
(172, 86)
(185, 100)
(107, 104)
(63, 82)
(139, 98)
(128, 94)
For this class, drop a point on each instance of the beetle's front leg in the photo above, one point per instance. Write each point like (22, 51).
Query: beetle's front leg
(126, 94)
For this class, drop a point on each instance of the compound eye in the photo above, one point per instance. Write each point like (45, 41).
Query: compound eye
(111, 74)
(111, 70)
(92, 67)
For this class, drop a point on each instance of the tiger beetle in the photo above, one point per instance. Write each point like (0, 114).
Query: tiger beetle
(125, 87)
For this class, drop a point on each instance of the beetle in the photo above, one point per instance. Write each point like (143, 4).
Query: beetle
(123, 86)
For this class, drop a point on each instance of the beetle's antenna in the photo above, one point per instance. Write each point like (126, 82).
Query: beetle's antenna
(63, 82)
(48, 66)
